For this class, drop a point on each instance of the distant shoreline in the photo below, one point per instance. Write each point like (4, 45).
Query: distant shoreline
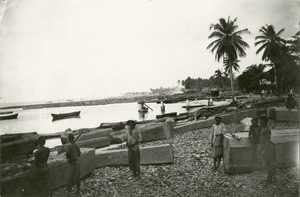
(104, 101)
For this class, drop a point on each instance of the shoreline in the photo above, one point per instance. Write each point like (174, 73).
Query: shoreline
(114, 100)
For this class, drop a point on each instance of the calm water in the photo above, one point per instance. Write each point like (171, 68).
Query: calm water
(40, 120)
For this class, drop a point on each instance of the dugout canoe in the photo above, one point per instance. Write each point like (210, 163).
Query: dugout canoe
(17, 144)
(65, 115)
(171, 114)
(8, 117)
(6, 112)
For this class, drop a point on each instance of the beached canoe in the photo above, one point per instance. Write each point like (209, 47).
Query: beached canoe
(17, 144)
(113, 125)
(6, 112)
(7, 117)
(171, 114)
(65, 115)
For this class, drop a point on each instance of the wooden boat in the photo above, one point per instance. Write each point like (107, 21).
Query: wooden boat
(6, 112)
(17, 144)
(171, 114)
(114, 125)
(192, 106)
(7, 117)
(65, 115)
(143, 110)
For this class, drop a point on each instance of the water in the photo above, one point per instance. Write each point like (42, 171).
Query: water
(40, 120)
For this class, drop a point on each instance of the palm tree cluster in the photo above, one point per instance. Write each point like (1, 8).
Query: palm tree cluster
(283, 55)
(228, 44)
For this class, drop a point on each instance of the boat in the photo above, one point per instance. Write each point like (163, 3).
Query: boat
(192, 106)
(143, 110)
(6, 112)
(65, 115)
(171, 114)
(17, 144)
(7, 117)
(114, 125)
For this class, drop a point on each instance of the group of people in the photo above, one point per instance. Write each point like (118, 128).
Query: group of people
(73, 152)
(259, 134)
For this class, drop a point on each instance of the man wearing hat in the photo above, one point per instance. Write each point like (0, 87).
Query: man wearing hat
(267, 148)
(133, 140)
(216, 137)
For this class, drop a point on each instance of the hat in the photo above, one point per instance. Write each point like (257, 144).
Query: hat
(131, 122)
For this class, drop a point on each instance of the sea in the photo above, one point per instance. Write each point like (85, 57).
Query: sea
(40, 120)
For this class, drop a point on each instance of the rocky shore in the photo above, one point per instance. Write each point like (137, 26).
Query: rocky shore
(190, 175)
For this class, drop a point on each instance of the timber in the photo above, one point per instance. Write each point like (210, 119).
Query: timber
(238, 155)
(95, 143)
(20, 183)
(227, 118)
(282, 114)
(162, 154)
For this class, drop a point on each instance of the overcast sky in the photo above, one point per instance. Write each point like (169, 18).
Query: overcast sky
(61, 49)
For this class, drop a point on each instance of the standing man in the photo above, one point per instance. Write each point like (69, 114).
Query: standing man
(267, 148)
(72, 154)
(216, 138)
(133, 140)
(254, 135)
(40, 162)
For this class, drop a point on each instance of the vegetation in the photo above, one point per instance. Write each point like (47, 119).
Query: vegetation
(228, 44)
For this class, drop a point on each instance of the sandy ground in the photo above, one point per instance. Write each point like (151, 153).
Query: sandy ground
(190, 175)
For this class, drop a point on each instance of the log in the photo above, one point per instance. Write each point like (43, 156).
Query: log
(162, 154)
(149, 132)
(95, 143)
(227, 118)
(238, 155)
(282, 114)
(21, 183)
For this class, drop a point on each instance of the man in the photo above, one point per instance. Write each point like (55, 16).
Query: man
(72, 154)
(267, 148)
(216, 137)
(133, 140)
(41, 167)
(290, 102)
(254, 135)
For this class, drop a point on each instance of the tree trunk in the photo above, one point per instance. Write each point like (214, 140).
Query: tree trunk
(275, 75)
(231, 81)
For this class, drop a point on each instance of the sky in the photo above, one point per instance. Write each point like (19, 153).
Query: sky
(72, 49)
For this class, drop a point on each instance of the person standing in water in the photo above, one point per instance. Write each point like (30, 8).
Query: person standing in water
(216, 138)
(133, 140)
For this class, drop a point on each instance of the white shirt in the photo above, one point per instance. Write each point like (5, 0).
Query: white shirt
(217, 129)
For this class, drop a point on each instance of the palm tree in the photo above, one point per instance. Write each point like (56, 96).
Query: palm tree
(228, 44)
(272, 45)
(218, 76)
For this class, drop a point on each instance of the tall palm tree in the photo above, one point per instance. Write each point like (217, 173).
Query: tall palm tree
(272, 45)
(228, 43)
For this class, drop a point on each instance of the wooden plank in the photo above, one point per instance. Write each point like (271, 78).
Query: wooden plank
(21, 183)
(226, 118)
(238, 155)
(162, 154)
